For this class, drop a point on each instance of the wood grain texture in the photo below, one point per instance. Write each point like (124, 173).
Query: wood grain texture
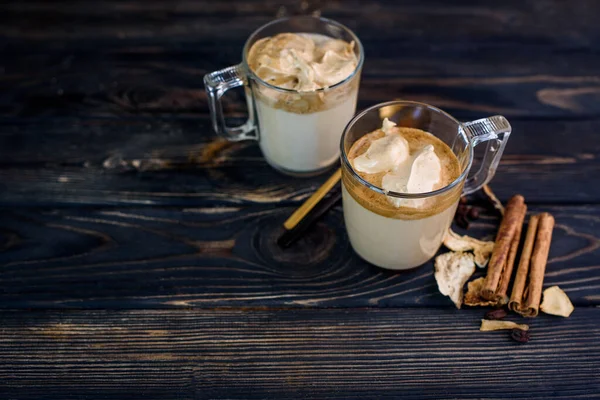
(341, 354)
(515, 58)
(103, 103)
(117, 196)
(205, 257)
(464, 21)
(178, 162)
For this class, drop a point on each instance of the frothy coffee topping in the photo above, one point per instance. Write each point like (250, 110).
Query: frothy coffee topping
(385, 153)
(403, 160)
(302, 62)
(420, 175)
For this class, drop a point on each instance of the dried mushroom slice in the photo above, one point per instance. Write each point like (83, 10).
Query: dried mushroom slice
(452, 271)
(556, 302)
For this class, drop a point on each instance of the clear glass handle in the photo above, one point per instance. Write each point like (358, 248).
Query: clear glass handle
(495, 131)
(217, 83)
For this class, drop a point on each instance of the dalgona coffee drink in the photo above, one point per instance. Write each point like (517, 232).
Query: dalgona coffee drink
(404, 167)
(301, 76)
(404, 160)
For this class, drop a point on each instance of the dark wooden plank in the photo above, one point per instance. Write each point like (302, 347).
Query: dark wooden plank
(179, 162)
(166, 79)
(119, 58)
(114, 82)
(147, 61)
(409, 354)
(206, 257)
(429, 22)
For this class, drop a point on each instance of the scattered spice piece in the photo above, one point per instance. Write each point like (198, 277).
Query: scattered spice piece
(497, 314)
(452, 271)
(482, 250)
(502, 262)
(527, 289)
(556, 302)
(473, 213)
(520, 335)
(493, 199)
(464, 213)
(473, 296)
(460, 218)
(463, 223)
(488, 325)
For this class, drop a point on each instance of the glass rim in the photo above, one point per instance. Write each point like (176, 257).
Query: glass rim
(361, 54)
(399, 195)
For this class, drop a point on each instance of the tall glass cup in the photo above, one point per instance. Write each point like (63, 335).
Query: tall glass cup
(408, 236)
(298, 132)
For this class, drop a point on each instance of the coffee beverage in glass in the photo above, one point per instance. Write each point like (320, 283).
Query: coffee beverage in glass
(404, 167)
(301, 77)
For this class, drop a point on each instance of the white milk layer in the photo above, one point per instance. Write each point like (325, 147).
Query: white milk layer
(394, 243)
(303, 143)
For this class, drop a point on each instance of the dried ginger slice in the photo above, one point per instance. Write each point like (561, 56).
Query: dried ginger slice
(473, 296)
(496, 325)
(487, 190)
(481, 249)
(556, 302)
(452, 271)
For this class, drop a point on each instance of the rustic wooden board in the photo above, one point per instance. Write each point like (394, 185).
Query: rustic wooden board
(208, 257)
(117, 196)
(274, 354)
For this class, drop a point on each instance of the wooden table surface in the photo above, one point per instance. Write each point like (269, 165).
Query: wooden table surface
(136, 250)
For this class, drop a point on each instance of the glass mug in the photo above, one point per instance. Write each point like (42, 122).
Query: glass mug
(408, 236)
(297, 132)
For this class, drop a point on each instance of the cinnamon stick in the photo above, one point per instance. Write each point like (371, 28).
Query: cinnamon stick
(523, 269)
(501, 292)
(503, 257)
(527, 290)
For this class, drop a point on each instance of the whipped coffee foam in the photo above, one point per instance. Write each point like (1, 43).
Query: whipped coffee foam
(302, 62)
(383, 155)
(419, 172)
(419, 175)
